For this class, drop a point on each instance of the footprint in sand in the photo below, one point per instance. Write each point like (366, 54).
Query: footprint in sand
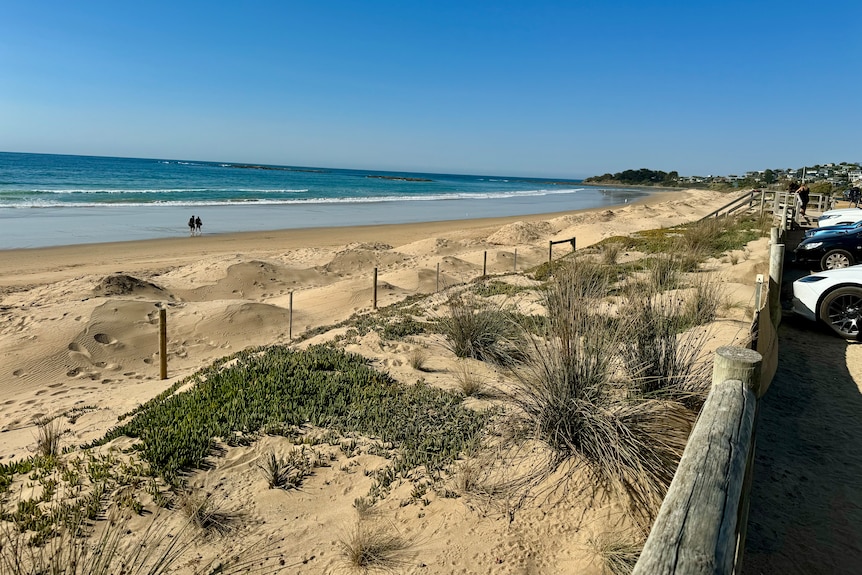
(18, 372)
(79, 353)
(74, 372)
(148, 360)
(104, 339)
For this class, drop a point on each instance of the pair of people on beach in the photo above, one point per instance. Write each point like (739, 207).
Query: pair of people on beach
(195, 225)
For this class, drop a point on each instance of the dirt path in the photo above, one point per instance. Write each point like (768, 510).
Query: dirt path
(806, 500)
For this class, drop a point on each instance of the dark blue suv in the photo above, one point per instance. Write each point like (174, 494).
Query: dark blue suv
(831, 249)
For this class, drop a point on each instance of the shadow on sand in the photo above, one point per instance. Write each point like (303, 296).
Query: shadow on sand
(806, 499)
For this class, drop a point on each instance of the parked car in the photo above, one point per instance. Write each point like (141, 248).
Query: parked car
(831, 249)
(840, 216)
(833, 297)
(842, 227)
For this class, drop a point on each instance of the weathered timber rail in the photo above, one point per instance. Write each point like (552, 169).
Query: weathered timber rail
(701, 526)
(783, 205)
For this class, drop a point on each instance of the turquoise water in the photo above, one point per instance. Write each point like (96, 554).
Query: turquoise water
(54, 200)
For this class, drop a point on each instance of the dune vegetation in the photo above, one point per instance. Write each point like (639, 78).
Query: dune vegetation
(604, 375)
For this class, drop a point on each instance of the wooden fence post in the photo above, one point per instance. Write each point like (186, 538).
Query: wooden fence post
(163, 343)
(485, 264)
(735, 362)
(758, 292)
(374, 290)
(290, 318)
(515, 266)
(550, 250)
(437, 288)
(776, 269)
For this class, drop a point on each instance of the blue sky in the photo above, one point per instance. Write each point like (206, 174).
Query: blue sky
(540, 88)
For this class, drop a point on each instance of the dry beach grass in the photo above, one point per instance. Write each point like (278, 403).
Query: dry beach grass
(506, 488)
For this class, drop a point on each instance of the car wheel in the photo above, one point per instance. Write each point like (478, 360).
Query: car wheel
(841, 310)
(836, 259)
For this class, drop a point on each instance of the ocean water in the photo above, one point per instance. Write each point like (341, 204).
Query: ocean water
(50, 200)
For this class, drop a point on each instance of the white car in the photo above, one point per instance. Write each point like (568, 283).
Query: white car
(840, 217)
(833, 297)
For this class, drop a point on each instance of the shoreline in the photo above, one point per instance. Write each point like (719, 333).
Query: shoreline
(65, 261)
(49, 226)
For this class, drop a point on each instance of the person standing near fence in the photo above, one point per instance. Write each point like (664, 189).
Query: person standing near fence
(803, 194)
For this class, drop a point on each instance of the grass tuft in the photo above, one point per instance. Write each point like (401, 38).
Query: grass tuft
(417, 358)
(48, 433)
(610, 252)
(481, 331)
(569, 397)
(205, 513)
(154, 551)
(373, 548)
(618, 555)
(470, 383)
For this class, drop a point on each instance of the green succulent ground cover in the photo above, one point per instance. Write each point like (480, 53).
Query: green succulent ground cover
(280, 388)
(708, 237)
(489, 288)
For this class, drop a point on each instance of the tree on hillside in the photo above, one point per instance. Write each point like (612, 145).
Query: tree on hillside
(641, 177)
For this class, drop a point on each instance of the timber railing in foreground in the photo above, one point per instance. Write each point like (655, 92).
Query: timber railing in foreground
(701, 526)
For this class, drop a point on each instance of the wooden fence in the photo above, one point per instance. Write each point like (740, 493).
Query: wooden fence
(783, 205)
(701, 525)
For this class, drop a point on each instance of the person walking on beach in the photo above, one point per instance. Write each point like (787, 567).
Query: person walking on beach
(802, 193)
(198, 225)
(192, 226)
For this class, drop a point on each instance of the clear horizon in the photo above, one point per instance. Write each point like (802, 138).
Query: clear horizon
(222, 161)
(548, 89)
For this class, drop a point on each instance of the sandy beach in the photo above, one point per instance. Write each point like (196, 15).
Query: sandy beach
(79, 335)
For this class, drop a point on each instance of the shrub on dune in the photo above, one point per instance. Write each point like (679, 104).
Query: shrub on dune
(661, 360)
(481, 331)
(571, 399)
